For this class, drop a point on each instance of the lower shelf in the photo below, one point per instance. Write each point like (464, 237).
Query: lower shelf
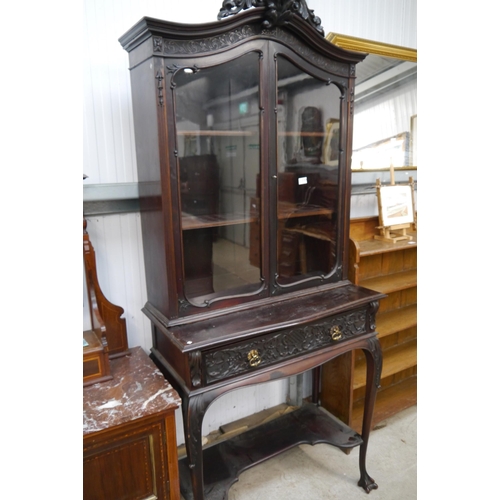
(225, 461)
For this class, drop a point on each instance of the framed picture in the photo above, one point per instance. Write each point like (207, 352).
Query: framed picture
(395, 205)
(308, 145)
(332, 142)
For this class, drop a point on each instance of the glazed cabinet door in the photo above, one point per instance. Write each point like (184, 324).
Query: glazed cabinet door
(310, 167)
(260, 165)
(218, 146)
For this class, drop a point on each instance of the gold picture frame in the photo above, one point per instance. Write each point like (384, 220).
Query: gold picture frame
(370, 47)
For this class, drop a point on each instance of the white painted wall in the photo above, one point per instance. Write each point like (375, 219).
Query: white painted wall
(109, 149)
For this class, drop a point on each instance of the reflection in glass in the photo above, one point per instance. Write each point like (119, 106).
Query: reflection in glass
(384, 132)
(217, 119)
(308, 157)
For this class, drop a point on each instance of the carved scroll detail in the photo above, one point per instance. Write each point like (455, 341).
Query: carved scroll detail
(157, 44)
(159, 78)
(175, 68)
(219, 42)
(214, 43)
(372, 312)
(195, 367)
(277, 13)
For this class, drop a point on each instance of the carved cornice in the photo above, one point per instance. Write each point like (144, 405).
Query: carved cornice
(209, 44)
(277, 13)
(172, 47)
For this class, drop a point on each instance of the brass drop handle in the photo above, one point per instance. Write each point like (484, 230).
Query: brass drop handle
(254, 358)
(335, 332)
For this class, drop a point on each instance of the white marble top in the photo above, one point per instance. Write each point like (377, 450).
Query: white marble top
(138, 389)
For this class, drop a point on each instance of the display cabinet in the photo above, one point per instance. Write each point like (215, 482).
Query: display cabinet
(243, 133)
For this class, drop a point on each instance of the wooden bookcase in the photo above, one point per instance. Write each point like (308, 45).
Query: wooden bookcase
(249, 286)
(390, 268)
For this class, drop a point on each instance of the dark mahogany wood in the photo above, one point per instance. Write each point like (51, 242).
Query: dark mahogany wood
(223, 463)
(296, 349)
(304, 311)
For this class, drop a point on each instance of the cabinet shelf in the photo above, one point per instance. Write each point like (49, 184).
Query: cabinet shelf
(301, 134)
(246, 133)
(215, 133)
(286, 211)
(203, 221)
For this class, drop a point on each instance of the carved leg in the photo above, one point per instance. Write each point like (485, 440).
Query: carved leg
(316, 373)
(373, 371)
(193, 410)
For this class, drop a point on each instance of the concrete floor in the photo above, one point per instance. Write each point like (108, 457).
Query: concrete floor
(324, 472)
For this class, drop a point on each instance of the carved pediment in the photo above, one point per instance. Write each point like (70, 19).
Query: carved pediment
(278, 12)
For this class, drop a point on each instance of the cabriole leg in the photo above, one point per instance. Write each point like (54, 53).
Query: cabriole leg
(193, 410)
(373, 371)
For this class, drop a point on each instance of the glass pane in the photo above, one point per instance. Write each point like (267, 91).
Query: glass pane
(308, 156)
(218, 141)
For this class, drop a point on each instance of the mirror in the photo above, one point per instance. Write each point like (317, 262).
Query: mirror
(385, 118)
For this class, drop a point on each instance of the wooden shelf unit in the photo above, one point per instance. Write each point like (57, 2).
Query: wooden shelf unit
(389, 268)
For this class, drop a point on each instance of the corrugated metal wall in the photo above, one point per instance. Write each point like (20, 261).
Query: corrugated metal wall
(109, 150)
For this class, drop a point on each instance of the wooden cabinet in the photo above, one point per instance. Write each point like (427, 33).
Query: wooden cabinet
(248, 284)
(129, 441)
(390, 268)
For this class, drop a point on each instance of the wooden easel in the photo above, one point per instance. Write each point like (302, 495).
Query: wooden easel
(397, 232)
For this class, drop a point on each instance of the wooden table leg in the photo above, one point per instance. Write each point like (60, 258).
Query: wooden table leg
(373, 354)
(193, 410)
(316, 378)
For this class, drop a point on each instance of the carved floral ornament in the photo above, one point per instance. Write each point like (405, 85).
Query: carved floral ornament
(278, 12)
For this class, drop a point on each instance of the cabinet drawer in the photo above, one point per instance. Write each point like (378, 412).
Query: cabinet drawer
(265, 350)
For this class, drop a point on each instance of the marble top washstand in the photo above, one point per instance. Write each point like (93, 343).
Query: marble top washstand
(138, 389)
